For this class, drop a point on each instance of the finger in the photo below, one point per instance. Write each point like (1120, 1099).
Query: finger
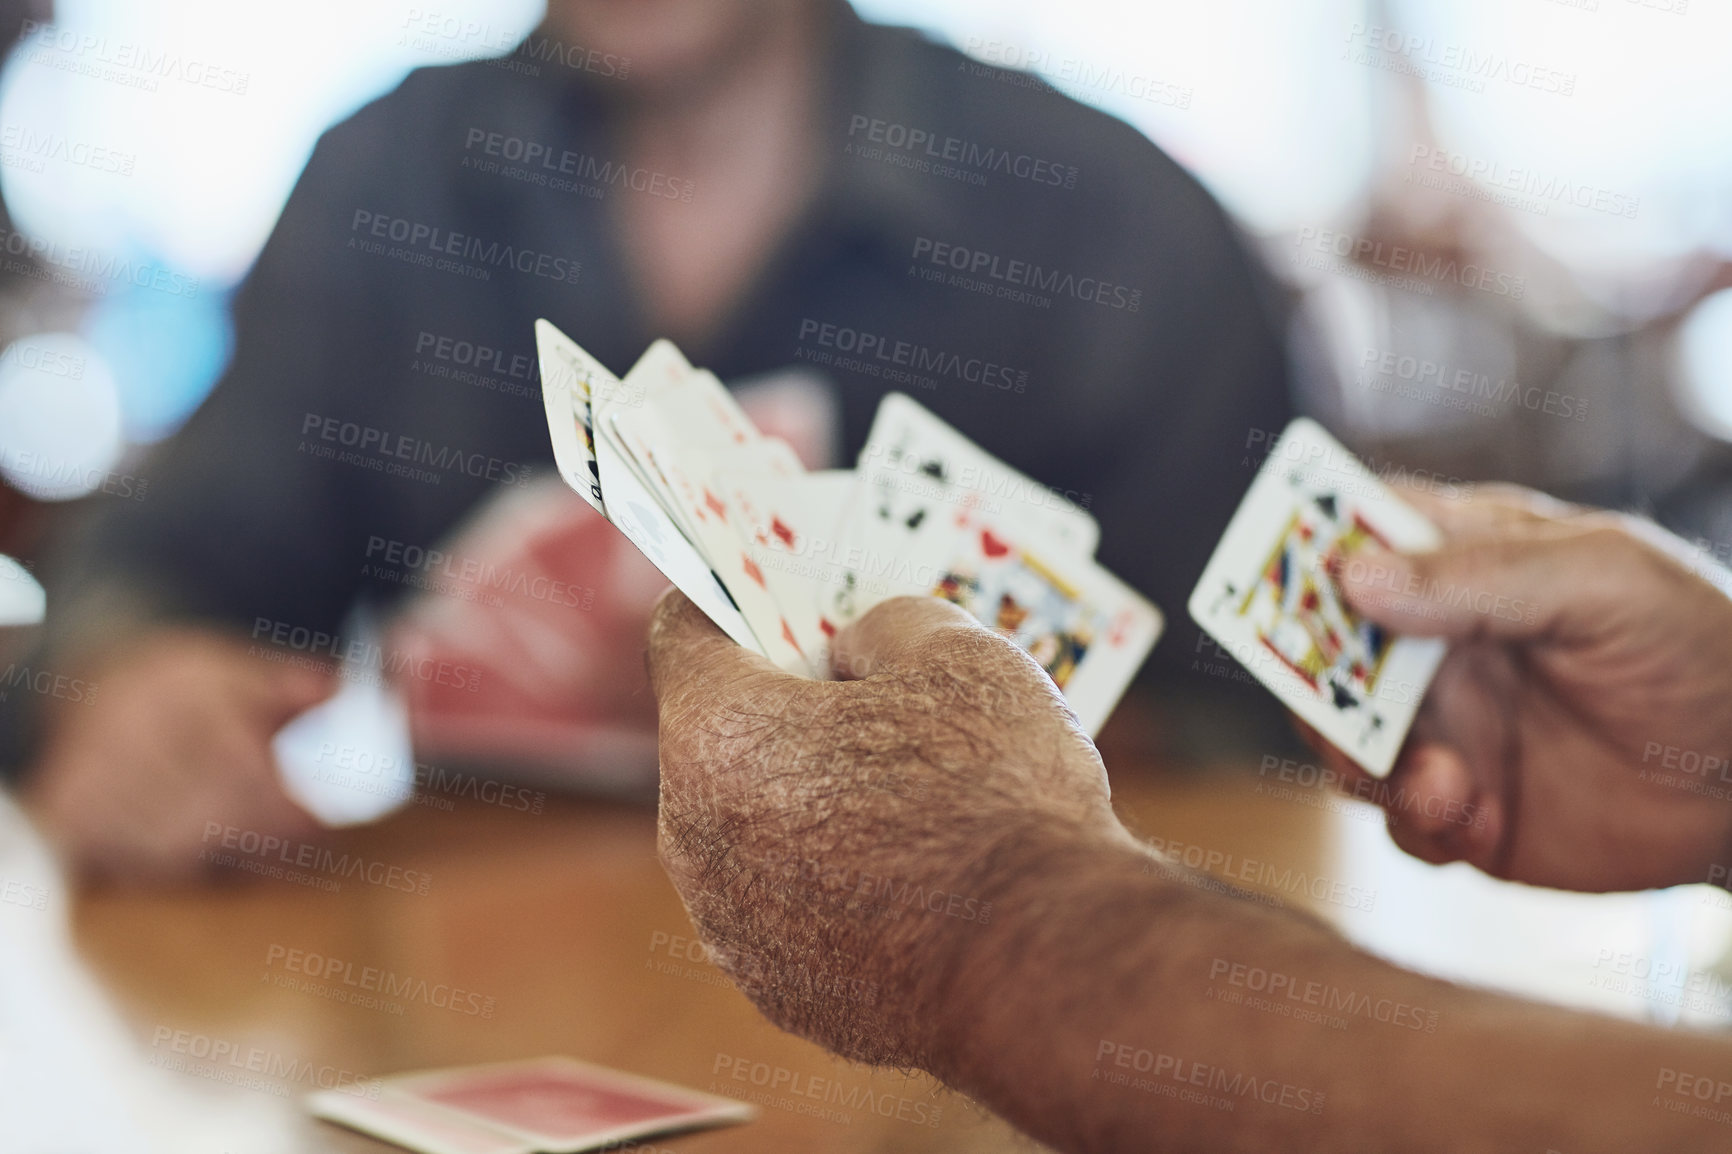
(233, 779)
(270, 810)
(899, 632)
(1437, 812)
(282, 693)
(1485, 509)
(251, 776)
(1507, 587)
(688, 653)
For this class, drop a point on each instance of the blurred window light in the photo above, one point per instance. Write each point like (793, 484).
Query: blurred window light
(59, 417)
(202, 112)
(147, 148)
(1704, 377)
(1605, 129)
(167, 352)
(1250, 95)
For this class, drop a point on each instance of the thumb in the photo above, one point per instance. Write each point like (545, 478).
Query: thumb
(901, 631)
(688, 653)
(289, 691)
(1507, 587)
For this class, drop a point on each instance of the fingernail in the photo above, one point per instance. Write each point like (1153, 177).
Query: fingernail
(1371, 565)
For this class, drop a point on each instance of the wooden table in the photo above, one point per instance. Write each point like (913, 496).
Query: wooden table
(563, 926)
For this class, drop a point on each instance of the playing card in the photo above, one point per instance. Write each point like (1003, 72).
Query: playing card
(688, 426)
(781, 559)
(1269, 597)
(767, 495)
(689, 402)
(694, 494)
(542, 1106)
(657, 376)
(1088, 630)
(913, 462)
(618, 490)
(915, 469)
(568, 374)
(824, 495)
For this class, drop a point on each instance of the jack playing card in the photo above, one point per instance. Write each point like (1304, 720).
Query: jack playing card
(933, 514)
(1268, 596)
(542, 1106)
(567, 377)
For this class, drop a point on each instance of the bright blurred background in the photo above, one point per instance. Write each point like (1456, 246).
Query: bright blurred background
(1507, 225)
(1571, 162)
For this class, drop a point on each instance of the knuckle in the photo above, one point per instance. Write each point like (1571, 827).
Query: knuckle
(1610, 540)
(1620, 559)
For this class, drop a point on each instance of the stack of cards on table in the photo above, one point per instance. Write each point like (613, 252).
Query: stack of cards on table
(1269, 596)
(781, 558)
(540, 1106)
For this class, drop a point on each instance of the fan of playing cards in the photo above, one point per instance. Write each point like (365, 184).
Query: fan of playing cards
(781, 558)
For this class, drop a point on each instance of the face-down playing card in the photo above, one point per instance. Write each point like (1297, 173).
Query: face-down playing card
(551, 1105)
(1269, 596)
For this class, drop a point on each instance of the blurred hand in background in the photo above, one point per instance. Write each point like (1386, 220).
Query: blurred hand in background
(173, 734)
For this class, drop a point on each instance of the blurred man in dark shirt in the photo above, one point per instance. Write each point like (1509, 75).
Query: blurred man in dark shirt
(768, 182)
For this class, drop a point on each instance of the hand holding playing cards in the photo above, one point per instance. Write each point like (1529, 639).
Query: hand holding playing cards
(780, 558)
(176, 734)
(1577, 733)
(832, 839)
(920, 867)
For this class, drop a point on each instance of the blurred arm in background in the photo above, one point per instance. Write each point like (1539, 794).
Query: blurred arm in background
(157, 600)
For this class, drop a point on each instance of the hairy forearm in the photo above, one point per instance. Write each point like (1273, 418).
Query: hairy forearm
(1115, 1003)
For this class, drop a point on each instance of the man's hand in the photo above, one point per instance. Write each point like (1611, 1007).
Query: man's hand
(836, 842)
(177, 734)
(1577, 734)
